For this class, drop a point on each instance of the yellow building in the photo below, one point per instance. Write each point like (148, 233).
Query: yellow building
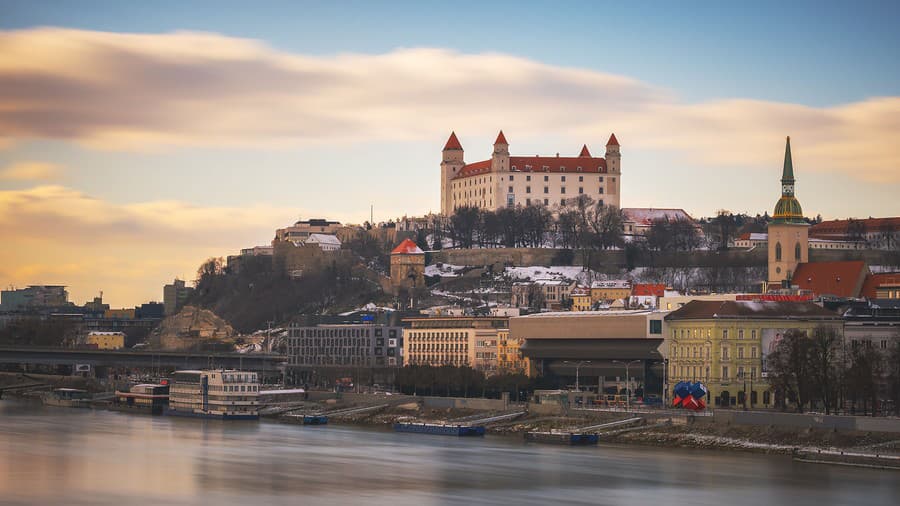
(509, 359)
(610, 290)
(456, 341)
(581, 299)
(724, 344)
(106, 340)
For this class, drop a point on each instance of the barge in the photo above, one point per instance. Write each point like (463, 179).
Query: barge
(563, 438)
(440, 429)
(315, 420)
(67, 398)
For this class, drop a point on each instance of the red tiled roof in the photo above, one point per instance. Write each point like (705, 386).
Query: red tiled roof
(612, 140)
(407, 247)
(584, 152)
(501, 139)
(452, 142)
(834, 228)
(841, 279)
(567, 165)
(873, 281)
(731, 309)
(648, 289)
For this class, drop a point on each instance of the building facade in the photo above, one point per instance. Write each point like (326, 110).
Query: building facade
(407, 265)
(456, 341)
(300, 231)
(105, 340)
(724, 344)
(33, 297)
(509, 356)
(344, 346)
(175, 295)
(507, 180)
(602, 291)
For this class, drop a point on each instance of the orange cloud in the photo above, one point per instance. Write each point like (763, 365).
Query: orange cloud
(154, 91)
(30, 171)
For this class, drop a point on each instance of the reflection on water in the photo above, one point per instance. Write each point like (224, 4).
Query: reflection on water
(72, 456)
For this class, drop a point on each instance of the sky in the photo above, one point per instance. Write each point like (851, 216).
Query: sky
(138, 139)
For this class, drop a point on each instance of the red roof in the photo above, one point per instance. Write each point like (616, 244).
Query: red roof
(473, 169)
(840, 228)
(873, 281)
(500, 138)
(648, 289)
(841, 279)
(407, 247)
(452, 142)
(612, 141)
(584, 152)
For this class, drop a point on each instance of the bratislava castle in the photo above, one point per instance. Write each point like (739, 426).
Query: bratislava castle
(508, 181)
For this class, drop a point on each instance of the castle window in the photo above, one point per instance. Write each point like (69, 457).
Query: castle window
(513, 168)
(601, 190)
(578, 169)
(546, 168)
(527, 202)
(562, 190)
(778, 252)
(546, 189)
(527, 189)
(546, 178)
(600, 202)
(580, 190)
(510, 189)
(580, 178)
(510, 177)
(563, 179)
(546, 202)
(601, 179)
(562, 202)
(527, 178)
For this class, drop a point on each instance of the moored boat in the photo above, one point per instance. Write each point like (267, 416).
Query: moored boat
(440, 429)
(67, 398)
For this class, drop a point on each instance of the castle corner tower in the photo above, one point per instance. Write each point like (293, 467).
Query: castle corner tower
(451, 163)
(788, 231)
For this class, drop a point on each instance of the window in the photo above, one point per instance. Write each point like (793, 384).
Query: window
(510, 189)
(656, 326)
(528, 201)
(580, 190)
(580, 178)
(797, 252)
(527, 189)
(563, 179)
(753, 352)
(753, 334)
(527, 178)
(740, 333)
(510, 177)
(546, 178)
(725, 334)
(601, 179)
(740, 352)
(724, 353)
(562, 190)
(546, 189)
(601, 190)
(562, 202)
(724, 372)
(777, 251)
(546, 202)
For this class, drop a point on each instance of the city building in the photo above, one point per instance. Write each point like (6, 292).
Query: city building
(870, 233)
(602, 291)
(346, 345)
(105, 340)
(456, 341)
(595, 349)
(724, 344)
(509, 357)
(788, 232)
(883, 285)
(761, 240)
(671, 301)
(639, 220)
(34, 297)
(299, 232)
(407, 265)
(217, 393)
(647, 295)
(175, 295)
(258, 251)
(581, 299)
(541, 293)
(325, 242)
(506, 180)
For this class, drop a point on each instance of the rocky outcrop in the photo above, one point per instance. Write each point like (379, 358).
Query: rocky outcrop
(192, 328)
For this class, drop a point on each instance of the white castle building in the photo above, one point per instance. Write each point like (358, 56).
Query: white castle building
(508, 181)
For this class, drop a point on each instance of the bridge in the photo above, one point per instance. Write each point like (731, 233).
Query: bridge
(141, 358)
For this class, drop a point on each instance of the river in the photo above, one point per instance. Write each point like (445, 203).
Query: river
(79, 456)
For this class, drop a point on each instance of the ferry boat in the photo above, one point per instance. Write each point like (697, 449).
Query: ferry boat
(214, 393)
(67, 398)
(440, 429)
(143, 398)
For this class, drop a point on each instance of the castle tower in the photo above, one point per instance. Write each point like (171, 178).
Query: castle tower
(788, 230)
(499, 165)
(452, 162)
(614, 169)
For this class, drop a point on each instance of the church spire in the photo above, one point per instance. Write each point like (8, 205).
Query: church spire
(788, 172)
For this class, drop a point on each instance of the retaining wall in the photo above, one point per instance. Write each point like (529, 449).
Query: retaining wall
(797, 420)
(465, 403)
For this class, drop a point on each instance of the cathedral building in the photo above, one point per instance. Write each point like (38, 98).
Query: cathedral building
(788, 231)
(506, 180)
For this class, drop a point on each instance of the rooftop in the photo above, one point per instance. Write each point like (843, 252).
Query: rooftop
(736, 310)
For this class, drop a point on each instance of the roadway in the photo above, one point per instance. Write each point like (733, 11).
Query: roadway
(140, 358)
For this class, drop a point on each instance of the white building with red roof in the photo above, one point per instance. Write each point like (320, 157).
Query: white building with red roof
(506, 180)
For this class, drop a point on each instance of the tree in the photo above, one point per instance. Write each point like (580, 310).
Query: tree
(725, 225)
(422, 239)
(464, 226)
(826, 365)
(536, 299)
(608, 224)
(892, 372)
(789, 368)
(864, 375)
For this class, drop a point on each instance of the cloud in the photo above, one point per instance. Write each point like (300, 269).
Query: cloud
(30, 171)
(54, 234)
(157, 91)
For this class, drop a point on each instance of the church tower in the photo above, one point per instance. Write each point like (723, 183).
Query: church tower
(451, 163)
(788, 230)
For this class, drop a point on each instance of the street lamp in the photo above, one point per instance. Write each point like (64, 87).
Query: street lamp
(577, 368)
(627, 377)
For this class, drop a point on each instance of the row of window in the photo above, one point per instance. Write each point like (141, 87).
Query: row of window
(699, 372)
(340, 332)
(698, 333)
(697, 352)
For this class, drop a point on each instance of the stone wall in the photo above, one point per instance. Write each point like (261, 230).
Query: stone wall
(806, 421)
(465, 403)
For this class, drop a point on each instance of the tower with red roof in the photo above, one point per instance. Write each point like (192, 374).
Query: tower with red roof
(451, 165)
(407, 266)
